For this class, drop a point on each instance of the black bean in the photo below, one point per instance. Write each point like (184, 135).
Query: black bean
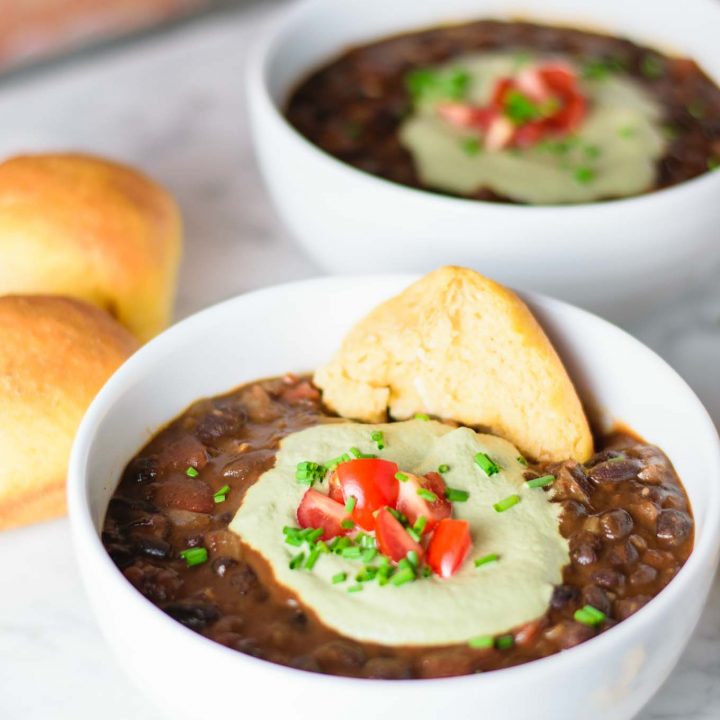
(614, 471)
(305, 662)
(142, 470)
(616, 524)
(340, 654)
(154, 548)
(193, 614)
(243, 579)
(221, 565)
(623, 555)
(673, 527)
(628, 606)
(563, 595)
(155, 583)
(643, 575)
(445, 663)
(597, 597)
(608, 578)
(571, 483)
(387, 669)
(216, 424)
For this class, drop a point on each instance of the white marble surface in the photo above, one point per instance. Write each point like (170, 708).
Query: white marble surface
(173, 105)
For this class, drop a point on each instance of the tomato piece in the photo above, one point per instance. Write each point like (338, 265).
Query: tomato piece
(334, 488)
(317, 510)
(559, 78)
(466, 117)
(392, 538)
(372, 483)
(526, 634)
(449, 546)
(413, 505)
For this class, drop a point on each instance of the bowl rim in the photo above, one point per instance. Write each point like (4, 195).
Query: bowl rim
(86, 539)
(261, 54)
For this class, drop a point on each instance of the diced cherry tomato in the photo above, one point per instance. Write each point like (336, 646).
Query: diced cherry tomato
(392, 538)
(372, 483)
(449, 546)
(466, 117)
(412, 505)
(560, 78)
(531, 82)
(526, 634)
(317, 510)
(334, 489)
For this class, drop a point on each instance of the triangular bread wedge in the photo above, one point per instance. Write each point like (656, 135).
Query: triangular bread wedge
(459, 346)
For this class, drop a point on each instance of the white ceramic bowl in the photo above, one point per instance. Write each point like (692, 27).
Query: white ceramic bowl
(296, 327)
(613, 257)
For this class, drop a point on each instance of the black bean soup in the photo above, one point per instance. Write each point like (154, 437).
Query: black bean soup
(625, 514)
(353, 107)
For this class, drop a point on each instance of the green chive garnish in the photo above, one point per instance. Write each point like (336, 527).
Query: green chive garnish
(454, 495)
(194, 556)
(355, 588)
(312, 558)
(443, 468)
(420, 524)
(405, 575)
(378, 438)
(505, 642)
(471, 146)
(589, 615)
(368, 555)
(352, 553)
(192, 472)
(402, 477)
(309, 472)
(221, 494)
(541, 481)
(347, 524)
(486, 464)
(340, 577)
(506, 503)
(413, 558)
(313, 535)
(422, 416)
(414, 534)
(350, 504)
(584, 175)
(486, 559)
(426, 494)
(522, 460)
(481, 642)
(355, 452)
(296, 561)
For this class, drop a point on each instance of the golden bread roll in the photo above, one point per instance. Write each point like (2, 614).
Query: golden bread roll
(459, 346)
(88, 228)
(55, 354)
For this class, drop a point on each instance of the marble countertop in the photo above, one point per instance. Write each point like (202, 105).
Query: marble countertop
(173, 104)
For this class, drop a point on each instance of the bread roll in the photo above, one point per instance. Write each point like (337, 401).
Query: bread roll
(88, 228)
(457, 345)
(55, 355)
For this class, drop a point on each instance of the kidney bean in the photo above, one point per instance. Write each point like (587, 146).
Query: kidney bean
(185, 493)
(181, 453)
(673, 527)
(616, 524)
(216, 424)
(223, 542)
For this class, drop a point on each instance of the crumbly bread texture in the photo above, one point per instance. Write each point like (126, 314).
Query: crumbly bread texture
(88, 228)
(55, 354)
(459, 346)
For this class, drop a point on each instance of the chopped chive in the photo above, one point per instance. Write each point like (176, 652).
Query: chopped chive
(368, 555)
(522, 460)
(296, 561)
(402, 477)
(384, 574)
(194, 556)
(505, 642)
(626, 132)
(486, 464)
(221, 494)
(309, 472)
(398, 516)
(347, 524)
(414, 534)
(339, 577)
(405, 564)
(592, 152)
(322, 547)
(405, 575)
(486, 559)
(350, 504)
(355, 452)
(366, 541)
(293, 540)
(312, 558)
(355, 588)
(506, 503)
(191, 472)
(422, 416)
(413, 558)
(352, 553)
(313, 535)
(481, 642)
(455, 495)
(589, 615)
(471, 146)
(378, 438)
(443, 468)
(420, 524)
(543, 481)
(584, 175)
(426, 494)
(367, 574)
(426, 571)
